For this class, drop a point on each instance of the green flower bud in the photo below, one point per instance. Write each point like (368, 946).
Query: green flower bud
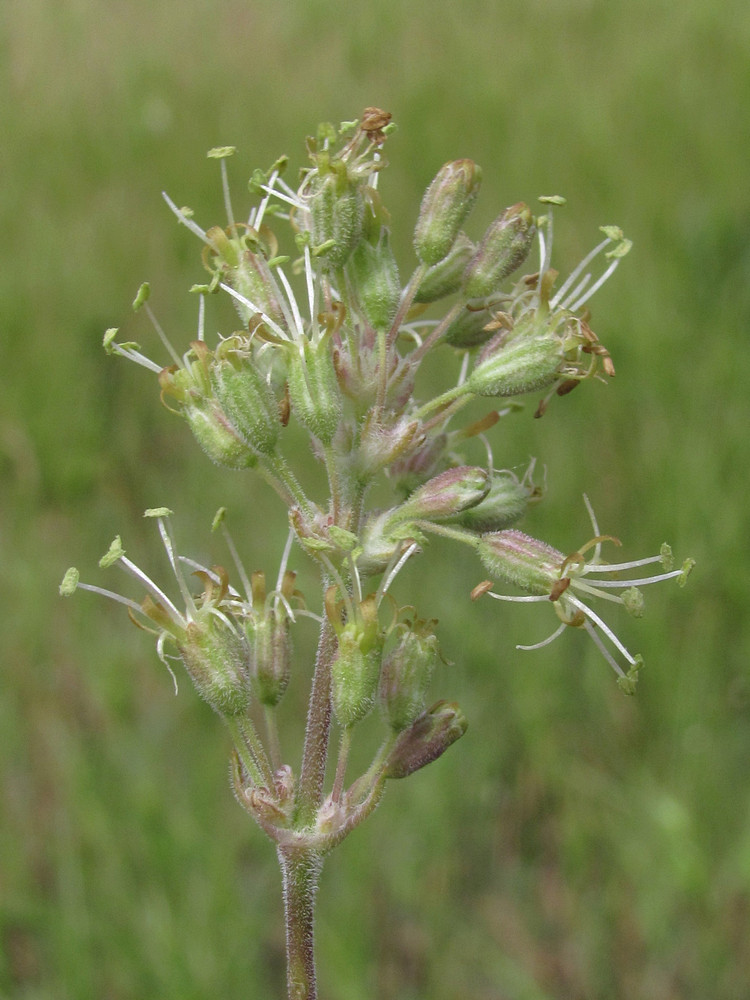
(270, 658)
(445, 495)
(445, 206)
(468, 329)
(525, 364)
(269, 638)
(215, 656)
(445, 277)
(246, 399)
(505, 503)
(336, 209)
(354, 676)
(428, 738)
(406, 675)
(211, 427)
(356, 667)
(503, 249)
(217, 437)
(313, 388)
(373, 274)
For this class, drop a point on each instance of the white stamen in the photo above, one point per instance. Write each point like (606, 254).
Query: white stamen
(574, 275)
(181, 217)
(545, 642)
(602, 625)
(256, 309)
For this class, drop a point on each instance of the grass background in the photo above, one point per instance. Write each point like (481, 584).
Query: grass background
(576, 844)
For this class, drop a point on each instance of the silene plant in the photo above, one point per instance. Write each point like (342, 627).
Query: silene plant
(330, 339)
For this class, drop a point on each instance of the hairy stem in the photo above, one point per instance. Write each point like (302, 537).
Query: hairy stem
(300, 871)
(317, 732)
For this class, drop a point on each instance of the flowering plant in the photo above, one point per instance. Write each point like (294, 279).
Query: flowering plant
(341, 360)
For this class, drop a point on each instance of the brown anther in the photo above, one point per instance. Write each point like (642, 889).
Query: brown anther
(558, 588)
(567, 386)
(481, 589)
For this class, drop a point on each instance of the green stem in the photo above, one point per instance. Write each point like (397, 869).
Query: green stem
(250, 750)
(443, 400)
(300, 871)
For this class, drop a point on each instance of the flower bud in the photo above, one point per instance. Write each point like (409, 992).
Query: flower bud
(445, 495)
(267, 628)
(525, 364)
(246, 399)
(406, 674)
(445, 206)
(217, 437)
(503, 249)
(270, 662)
(505, 503)
(215, 656)
(445, 277)
(519, 559)
(354, 675)
(211, 427)
(373, 274)
(428, 738)
(355, 669)
(313, 388)
(336, 208)
(469, 329)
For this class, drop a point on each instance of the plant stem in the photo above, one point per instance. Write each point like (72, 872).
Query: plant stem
(315, 753)
(300, 870)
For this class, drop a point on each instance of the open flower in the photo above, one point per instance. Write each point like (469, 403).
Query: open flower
(542, 336)
(206, 635)
(570, 582)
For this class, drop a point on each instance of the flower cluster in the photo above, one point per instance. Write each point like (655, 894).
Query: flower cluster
(339, 357)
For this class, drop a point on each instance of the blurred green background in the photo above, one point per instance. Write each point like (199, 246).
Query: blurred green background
(576, 843)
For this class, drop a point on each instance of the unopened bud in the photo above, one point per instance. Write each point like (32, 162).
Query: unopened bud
(246, 399)
(445, 277)
(356, 667)
(446, 494)
(406, 675)
(503, 249)
(445, 206)
(313, 388)
(269, 640)
(217, 437)
(427, 739)
(525, 364)
(505, 503)
(373, 273)
(211, 427)
(469, 329)
(270, 649)
(336, 208)
(354, 675)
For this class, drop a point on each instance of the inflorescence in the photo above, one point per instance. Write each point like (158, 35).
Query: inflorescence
(340, 360)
